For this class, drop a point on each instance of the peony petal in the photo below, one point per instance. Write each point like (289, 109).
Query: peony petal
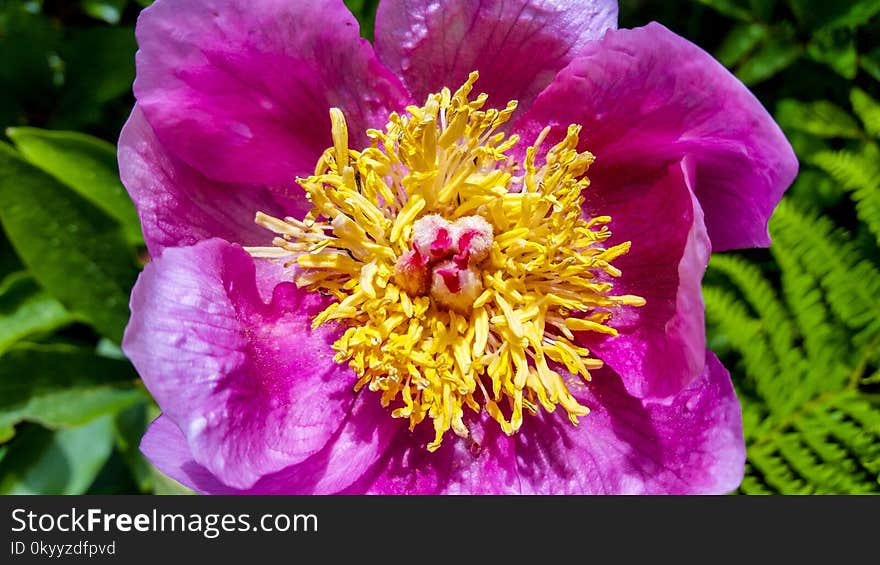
(241, 89)
(166, 448)
(352, 451)
(251, 386)
(481, 464)
(518, 46)
(179, 207)
(646, 98)
(692, 446)
(360, 442)
(660, 346)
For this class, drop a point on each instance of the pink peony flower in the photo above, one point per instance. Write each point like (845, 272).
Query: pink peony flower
(460, 295)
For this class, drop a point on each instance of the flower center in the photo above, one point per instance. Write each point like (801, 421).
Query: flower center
(463, 277)
(444, 260)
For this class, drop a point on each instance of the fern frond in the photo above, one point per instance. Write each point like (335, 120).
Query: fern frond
(851, 283)
(872, 379)
(867, 109)
(832, 445)
(763, 299)
(767, 464)
(820, 118)
(858, 174)
(752, 484)
(825, 348)
(747, 337)
(803, 356)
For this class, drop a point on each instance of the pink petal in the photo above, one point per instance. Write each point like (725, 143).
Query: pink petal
(660, 346)
(241, 89)
(692, 446)
(484, 463)
(353, 449)
(518, 46)
(251, 386)
(166, 448)
(646, 98)
(179, 207)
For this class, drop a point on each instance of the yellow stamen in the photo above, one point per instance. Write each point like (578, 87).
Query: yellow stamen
(542, 275)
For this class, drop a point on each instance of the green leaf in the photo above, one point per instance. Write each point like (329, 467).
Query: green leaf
(28, 83)
(870, 62)
(41, 461)
(74, 250)
(26, 309)
(730, 8)
(822, 119)
(365, 12)
(109, 11)
(87, 165)
(61, 386)
(774, 56)
(9, 261)
(107, 348)
(858, 174)
(814, 190)
(762, 9)
(837, 49)
(131, 424)
(741, 41)
(821, 14)
(99, 64)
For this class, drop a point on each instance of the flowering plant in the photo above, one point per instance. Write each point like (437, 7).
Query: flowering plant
(496, 293)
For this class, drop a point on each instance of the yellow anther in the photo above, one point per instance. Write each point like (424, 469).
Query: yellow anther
(339, 133)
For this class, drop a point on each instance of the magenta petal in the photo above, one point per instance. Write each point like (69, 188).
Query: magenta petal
(354, 449)
(251, 386)
(660, 346)
(692, 446)
(241, 89)
(179, 207)
(166, 448)
(516, 45)
(647, 97)
(484, 463)
(361, 440)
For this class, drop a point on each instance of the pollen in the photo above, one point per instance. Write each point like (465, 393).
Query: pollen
(461, 276)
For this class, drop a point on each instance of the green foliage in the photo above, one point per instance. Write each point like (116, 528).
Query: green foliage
(859, 173)
(800, 328)
(806, 355)
(57, 234)
(856, 169)
(27, 310)
(772, 37)
(85, 164)
(811, 427)
(42, 461)
(109, 11)
(778, 52)
(870, 63)
(820, 118)
(66, 386)
(364, 11)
